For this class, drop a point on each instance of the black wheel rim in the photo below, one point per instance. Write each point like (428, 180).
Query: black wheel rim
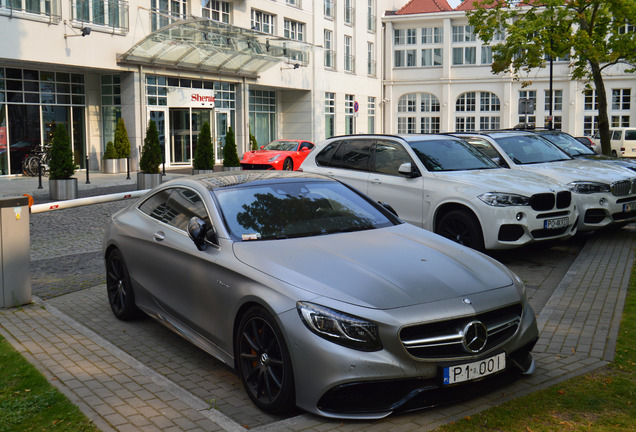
(116, 284)
(458, 231)
(288, 165)
(262, 364)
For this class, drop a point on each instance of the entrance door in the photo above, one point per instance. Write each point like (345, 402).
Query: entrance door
(222, 124)
(159, 117)
(180, 147)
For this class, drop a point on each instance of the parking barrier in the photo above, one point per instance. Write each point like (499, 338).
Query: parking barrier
(60, 205)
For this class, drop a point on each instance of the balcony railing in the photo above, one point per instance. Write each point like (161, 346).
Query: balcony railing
(37, 10)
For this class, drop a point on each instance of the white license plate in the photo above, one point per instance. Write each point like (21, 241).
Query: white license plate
(475, 370)
(556, 223)
(628, 207)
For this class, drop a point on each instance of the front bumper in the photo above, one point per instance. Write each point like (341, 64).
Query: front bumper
(340, 382)
(603, 210)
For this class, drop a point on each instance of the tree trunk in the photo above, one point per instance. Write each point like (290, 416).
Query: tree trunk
(603, 120)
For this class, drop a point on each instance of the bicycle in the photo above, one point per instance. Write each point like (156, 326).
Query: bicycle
(37, 159)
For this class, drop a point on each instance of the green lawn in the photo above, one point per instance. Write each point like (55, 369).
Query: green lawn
(28, 402)
(604, 400)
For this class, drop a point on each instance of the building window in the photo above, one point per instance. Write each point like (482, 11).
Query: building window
(486, 54)
(262, 22)
(109, 13)
(407, 103)
(262, 112)
(406, 125)
(293, 2)
(371, 114)
(465, 124)
(591, 100)
(370, 59)
(349, 114)
(348, 54)
(432, 35)
(621, 99)
(349, 12)
(111, 106)
(489, 102)
(557, 100)
(464, 55)
(429, 125)
(294, 30)
(330, 114)
(489, 123)
(619, 121)
(428, 117)
(531, 95)
(371, 19)
(47, 8)
(465, 102)
(557, 122)
(164, 12)
(156, 90)
(463, 34)
(329, 8)
(590, 125)
(329, 52)
(432, 57)
(216, 10)
(405, 58)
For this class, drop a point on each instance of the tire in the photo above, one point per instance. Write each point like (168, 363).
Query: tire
(34, 165)
(263, 362)
(119, 288)
(614, 153)
(461, 227)
(288, 165)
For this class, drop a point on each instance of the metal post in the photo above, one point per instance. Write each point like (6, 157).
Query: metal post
(128, 168)
(87, 179)
(163, 156)
(40, 173)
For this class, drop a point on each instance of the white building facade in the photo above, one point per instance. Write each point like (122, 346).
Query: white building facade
(276, 68)
(295, 69)
(438, 78)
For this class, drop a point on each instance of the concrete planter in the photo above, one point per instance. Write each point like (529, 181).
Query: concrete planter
(63, 189)
(110, 166)
(121, 165)
(201, 171)
(148, 181)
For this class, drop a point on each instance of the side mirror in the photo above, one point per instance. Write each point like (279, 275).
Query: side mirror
(408, 170)
(388, 207)
(262, 147)
(199, 233)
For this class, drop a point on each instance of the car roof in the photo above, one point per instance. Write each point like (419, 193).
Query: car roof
(229, 179)
(408, 138)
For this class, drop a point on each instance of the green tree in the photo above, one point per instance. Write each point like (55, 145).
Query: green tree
(230, 156)
(204, 153)
(122, 143)
(253, 143)
(151, 150)
(110, 152)
(61, 165)
(593, 33)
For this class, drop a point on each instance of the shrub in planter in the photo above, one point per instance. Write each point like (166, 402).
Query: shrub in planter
(61, 165)
(253, 143)
(230, 156)
(110, 152)
(204, 152)
(111, 163)
(122, 143)
(149, 176)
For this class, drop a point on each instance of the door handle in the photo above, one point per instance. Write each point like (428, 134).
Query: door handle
(376, 181)
(159, 236)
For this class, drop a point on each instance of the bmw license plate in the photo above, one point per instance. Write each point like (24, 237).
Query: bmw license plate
(627, 207)
(475, 370)
(556, 223)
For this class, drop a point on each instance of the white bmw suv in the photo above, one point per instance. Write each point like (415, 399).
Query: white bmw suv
(605, 194)
(444, 185)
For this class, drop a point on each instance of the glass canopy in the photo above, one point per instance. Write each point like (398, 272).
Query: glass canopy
(201, 44)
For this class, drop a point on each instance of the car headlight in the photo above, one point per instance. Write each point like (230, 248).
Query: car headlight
(339, 327)
(587, 187)
(500, 199)
(274, 158)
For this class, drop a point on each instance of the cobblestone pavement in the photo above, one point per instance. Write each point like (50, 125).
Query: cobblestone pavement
(140, 376)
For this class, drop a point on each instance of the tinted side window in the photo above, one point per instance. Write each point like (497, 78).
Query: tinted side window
(155, 206)
(353, 154)
(183, 205)
(630, 135)
(389, 156)
(617, 135)
(306, 145)
(324, 157)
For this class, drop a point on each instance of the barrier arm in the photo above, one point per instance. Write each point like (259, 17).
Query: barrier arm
(60, 205)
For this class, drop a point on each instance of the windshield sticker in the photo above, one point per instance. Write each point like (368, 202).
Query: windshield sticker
(255, 236)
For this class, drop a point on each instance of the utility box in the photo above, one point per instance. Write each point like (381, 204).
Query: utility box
(15, 277)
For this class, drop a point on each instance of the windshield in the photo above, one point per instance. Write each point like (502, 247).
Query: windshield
(282, 146)
(530, 149)
(567, 143)
(450, 155)
(296, 209)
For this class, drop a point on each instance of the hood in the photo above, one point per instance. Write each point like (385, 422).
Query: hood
(582, 170)
(505, 180)
(263, 156)
(382, 269)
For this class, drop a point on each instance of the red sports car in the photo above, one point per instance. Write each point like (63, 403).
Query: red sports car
(277, 155)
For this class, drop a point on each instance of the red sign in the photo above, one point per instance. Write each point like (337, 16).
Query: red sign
(201, 98)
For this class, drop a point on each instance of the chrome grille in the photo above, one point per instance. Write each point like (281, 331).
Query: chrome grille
(443, 339)
(621, 188)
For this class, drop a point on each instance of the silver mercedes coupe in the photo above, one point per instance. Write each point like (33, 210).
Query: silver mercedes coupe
(318, 296)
